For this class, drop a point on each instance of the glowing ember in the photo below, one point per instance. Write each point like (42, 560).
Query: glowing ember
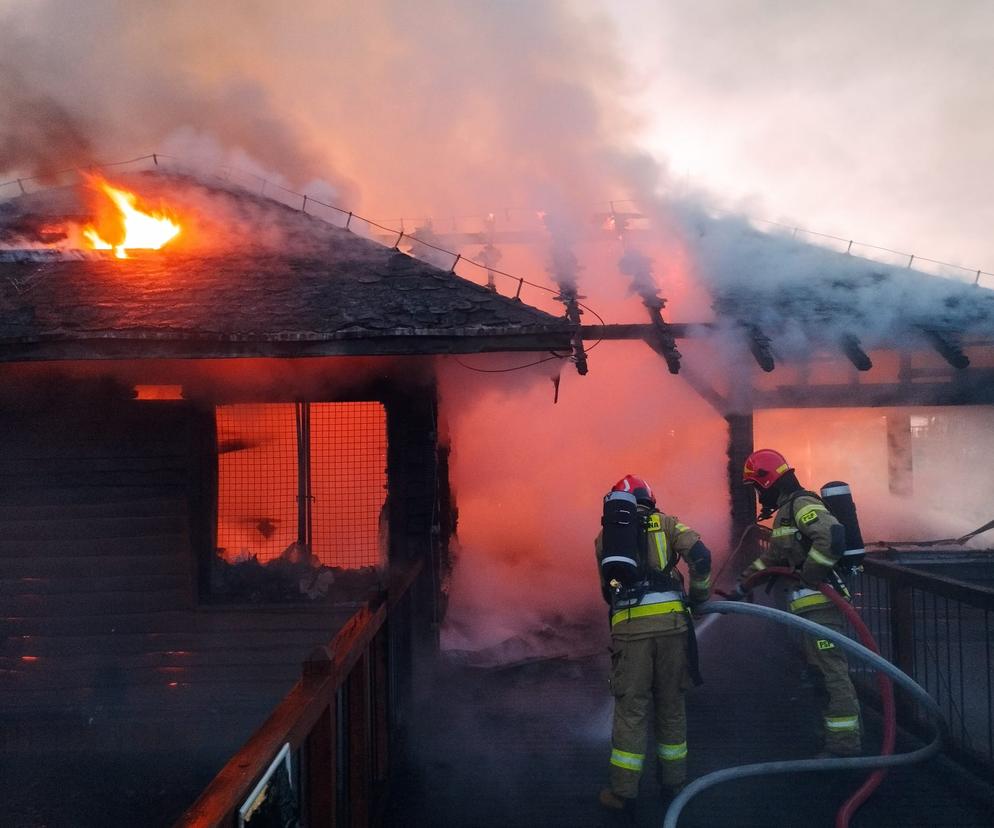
(137, 229)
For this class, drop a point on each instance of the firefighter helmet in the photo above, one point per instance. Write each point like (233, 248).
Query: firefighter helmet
(765, 467)
(635, 485)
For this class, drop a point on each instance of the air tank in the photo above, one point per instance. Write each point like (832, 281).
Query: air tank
(838, 498)
(620, 539)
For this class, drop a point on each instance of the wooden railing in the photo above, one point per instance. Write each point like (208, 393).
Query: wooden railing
(325, 748)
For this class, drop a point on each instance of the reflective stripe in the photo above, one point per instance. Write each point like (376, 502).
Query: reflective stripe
(782, 469)
(781, 531)
(800, 592)
(820, 557)
(628, 761)
(759, 565)
(836, 723)
(671, 753)
(701, 582)
(808, 601)
(661, 547)
(651, 598)
(835, 490)
(682, 528)
(618, 559)
(642, 611)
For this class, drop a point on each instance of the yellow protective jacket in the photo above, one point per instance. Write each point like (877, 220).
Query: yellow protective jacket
(801, 538)
(662, 610)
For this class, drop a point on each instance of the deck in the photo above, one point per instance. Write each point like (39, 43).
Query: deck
(528, 745)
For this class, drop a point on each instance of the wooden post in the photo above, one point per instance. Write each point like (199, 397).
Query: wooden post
(743, 501)
(320, 790)
(381, 703)
(359, 743)
(319, 748)
(902, 640)
(900, 470)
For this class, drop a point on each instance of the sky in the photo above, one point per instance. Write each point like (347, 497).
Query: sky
(866, 120)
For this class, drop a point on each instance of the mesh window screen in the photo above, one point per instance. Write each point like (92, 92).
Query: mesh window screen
(329, 457)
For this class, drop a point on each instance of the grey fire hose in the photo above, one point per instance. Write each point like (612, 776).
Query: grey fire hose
(799, 765)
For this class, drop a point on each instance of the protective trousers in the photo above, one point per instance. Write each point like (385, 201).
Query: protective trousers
(841, 712)
(648, 671)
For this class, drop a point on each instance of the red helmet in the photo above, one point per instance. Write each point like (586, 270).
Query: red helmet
(765, 467)
(638, 487)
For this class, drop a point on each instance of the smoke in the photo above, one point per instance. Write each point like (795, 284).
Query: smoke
(443, 113)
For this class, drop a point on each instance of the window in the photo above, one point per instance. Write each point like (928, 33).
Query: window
(302, 478)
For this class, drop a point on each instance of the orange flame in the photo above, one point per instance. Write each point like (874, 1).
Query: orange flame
(137, 229)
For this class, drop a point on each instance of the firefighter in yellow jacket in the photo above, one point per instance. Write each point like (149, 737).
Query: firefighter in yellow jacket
(653, 654)
(806, 537)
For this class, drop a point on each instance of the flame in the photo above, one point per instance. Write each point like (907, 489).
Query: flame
(137, 229)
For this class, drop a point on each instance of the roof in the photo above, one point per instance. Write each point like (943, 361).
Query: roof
(321, 291)
(805, 297)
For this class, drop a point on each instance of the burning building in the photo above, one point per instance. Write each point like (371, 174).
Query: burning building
(210, 450)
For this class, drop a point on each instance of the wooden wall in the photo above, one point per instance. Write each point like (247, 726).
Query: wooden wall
(104, 644)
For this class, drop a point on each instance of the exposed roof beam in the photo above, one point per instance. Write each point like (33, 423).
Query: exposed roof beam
(661, 340)
(855, 353)
(759, 345)
(948, 347)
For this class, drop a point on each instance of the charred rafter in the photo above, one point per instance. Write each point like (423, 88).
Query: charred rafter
(948, 347)
(759, 345)
(569, 298)
(661, 338)
(854, 352)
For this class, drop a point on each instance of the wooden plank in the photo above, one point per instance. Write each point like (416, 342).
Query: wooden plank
(85, 566)
(46, 674)
(145, 582)
(132, 507)
(94, 604)
(173, 620)
(211, 645)
(55, 496)
(94, 528)
(44, 467)
(70, 548)
(12, 479)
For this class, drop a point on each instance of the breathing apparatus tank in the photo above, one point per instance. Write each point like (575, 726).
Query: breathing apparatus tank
(620, 540)
(838, 499)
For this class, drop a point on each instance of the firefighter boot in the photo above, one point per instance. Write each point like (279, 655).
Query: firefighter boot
(618, 804)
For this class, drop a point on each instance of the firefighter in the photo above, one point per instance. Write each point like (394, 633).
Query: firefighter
(808, 538)
(653, 653)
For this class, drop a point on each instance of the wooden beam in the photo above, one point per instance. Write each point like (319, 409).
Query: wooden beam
(399, 345)
(969, 387)
(679, 330)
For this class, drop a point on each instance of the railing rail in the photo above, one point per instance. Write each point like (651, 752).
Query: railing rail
(938, 630)
(335, 720)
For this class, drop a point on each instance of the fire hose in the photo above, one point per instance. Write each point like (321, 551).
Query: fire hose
(866, 654)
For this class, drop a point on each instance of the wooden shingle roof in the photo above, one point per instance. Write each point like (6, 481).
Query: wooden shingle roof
(334, 293)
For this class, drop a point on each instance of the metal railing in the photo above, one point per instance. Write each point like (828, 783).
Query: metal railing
(325, 748)
(481, 223)
(937, 630)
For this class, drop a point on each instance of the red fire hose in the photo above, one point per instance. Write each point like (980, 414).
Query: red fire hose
(872, 782)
